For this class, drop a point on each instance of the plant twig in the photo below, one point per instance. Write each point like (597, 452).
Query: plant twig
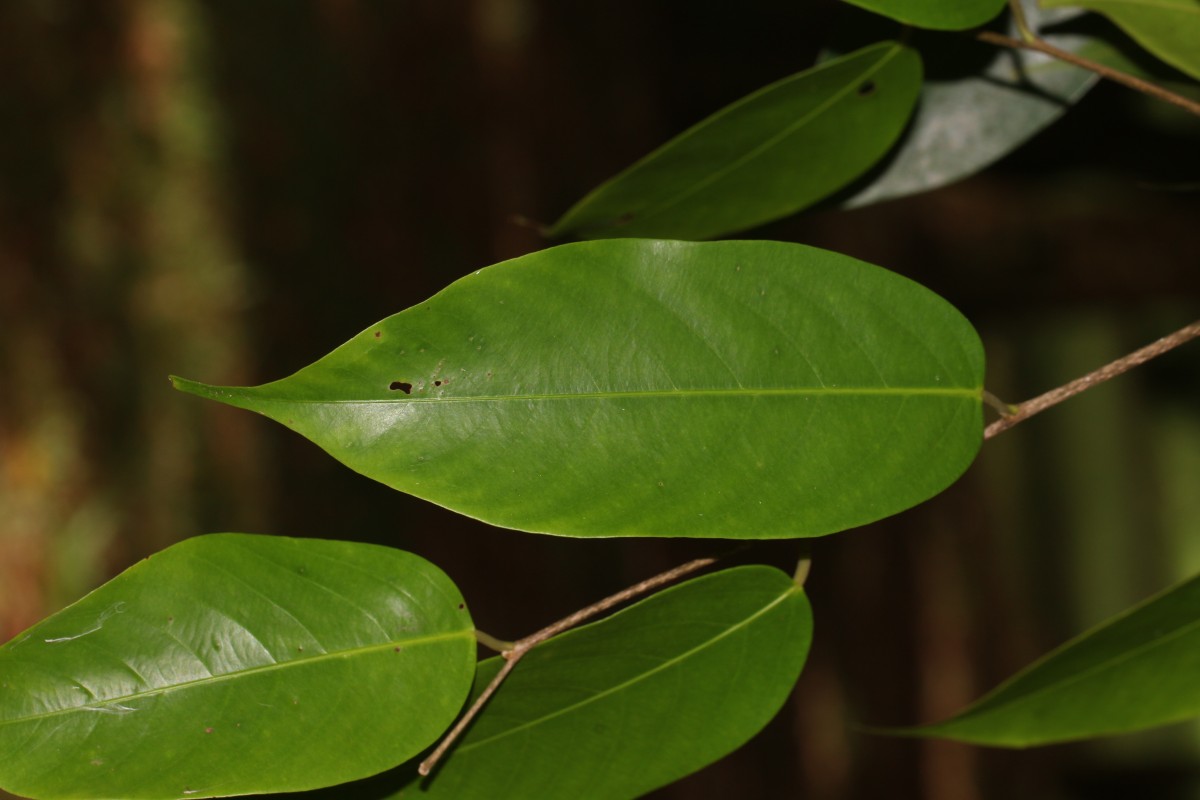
(1055, 396)
(523, 646)
(1103, 71)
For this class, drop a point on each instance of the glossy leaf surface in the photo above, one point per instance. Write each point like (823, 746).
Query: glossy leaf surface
(1136, 671)
(938, 14)
(766, 156)
(231, 664)
(638, 700)
(1170, 29)
(647, 388)
(978, 104)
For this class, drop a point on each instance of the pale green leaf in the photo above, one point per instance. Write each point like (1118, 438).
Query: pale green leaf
(766, 156)
(639, 700)
(1170, 29)
(653, 388)
(938, 14)
(1136, 671)
(231, 664)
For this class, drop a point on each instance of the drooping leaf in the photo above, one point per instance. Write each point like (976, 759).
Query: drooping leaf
(652, 388)
(1136, 671)
(231, 664)
(766, 156)
(979, 103)
(636, 701)
(1170, 29)
(939, 14)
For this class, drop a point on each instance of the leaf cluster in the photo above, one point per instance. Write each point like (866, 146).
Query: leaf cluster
(642, 382)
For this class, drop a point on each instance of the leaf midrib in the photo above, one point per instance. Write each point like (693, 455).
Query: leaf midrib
(239, 674)
(1095, 668)
(770, 143)
(971, 393)
(636, 679)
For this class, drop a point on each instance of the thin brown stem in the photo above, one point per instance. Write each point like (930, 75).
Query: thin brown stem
(523, 646)
(1055, 396)
(450, 738)
(637, 590)
(1103, 71)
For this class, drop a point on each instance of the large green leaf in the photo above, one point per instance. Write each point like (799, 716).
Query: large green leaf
(764, 157)
(652, 388)
(938, 14)
(979, 103)
(639, 700)
(231, 664)
(1136, 671)
(1170, 29)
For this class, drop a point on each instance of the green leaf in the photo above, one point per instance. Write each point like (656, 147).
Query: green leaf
(1136, 671)
(636, 701)
(652, 388)
(950, 15)
(231, 664)
(1170, 29)
(764, 157)
(978, 104)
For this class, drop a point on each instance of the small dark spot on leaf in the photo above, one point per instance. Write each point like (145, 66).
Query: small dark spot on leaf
(170, 620)
(378, 334)
(461, 606)
(867, 88)
(624, 219)
(396, 648)
(437, 383)
(401, 385)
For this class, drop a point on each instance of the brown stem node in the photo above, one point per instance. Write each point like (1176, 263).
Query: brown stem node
(523, 646)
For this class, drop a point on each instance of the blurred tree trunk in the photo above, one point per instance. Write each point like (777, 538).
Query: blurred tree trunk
(116, 269)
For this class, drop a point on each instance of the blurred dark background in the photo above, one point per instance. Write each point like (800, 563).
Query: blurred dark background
(228, 190)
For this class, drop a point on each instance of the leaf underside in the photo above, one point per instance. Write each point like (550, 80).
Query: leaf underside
(1136, 671)
(653, 388)
(979, 103)
(663, 688)
(766, 156)
(231, 664)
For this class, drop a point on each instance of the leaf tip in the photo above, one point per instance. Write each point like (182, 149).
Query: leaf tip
(222, 394)
(192, 387)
